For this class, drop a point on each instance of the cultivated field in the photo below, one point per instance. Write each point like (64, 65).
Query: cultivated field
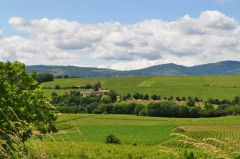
(221, 87)
(83, 136)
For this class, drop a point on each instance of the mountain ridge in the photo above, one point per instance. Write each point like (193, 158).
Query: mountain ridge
(170, 69)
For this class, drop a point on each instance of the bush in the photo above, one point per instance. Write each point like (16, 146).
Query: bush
(57, 87)
(112, 139)
(137, 96)
(155, 97)
(191, 103)
(178, 130)
(140, 108)
(45, 77)
(164, 109)
(189, 155)
(106, 99)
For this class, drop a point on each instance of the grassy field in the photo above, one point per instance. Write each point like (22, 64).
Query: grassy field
(83, 136)
(222, 87)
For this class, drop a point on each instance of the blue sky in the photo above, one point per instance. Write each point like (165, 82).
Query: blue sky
(124, 11)
(134, 41)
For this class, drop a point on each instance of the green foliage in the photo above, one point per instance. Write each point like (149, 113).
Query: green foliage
(208, 106)
(73, 102)
(137, 96)
(236, 100)
(146, 97)
(98, 84)
(106, 99)
(171, 109)
(95, 150)
(179, 130)
(112, 139)
(191, 103)
(189, 155)
(22, 107)
(57, 86)
(155, 97)
(141, 137)
(45, 77)
(113, 95)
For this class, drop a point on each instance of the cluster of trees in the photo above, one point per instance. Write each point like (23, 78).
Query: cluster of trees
(22, 109)
(103, 108)
(74, 98)
(62, 76)
(45, 77)
(158, 97)
(236, 100)
(73, 102)
(95, 86)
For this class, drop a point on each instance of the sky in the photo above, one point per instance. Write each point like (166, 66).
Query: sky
(119, 34)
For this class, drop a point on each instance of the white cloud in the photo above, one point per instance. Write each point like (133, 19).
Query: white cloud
(1, 34)
(210, 37)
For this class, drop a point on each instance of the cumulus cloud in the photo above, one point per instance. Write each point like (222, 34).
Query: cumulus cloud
(1, 34)
(213, 36)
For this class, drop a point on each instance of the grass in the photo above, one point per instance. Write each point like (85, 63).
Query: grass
(83, 136)
(128, 134)
(195, 86)
(85, 150)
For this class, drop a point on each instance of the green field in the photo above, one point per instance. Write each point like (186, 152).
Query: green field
(83, 136)
(221, 87)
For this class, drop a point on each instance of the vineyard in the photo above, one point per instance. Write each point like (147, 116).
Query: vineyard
(141, 137)
(204, 87)
(217, 141)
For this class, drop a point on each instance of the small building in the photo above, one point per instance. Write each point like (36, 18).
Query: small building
(94, 93)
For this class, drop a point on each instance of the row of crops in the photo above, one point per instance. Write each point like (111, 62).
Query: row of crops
(217, 142)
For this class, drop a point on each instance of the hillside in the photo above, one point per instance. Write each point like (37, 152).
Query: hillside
(220, 68)
(141, 137)
(204, 87)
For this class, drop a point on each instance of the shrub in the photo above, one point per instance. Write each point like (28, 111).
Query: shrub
(146, 97)
(112, 139)
(166, 109)
(137, 96)
(191, 103)
(178, 130)
(155, 97)
(57, 87)
(106, 99)
(236, 156)
(189, 155)
(236, 100)
(128, 96)
(44, 77)
(140, 108)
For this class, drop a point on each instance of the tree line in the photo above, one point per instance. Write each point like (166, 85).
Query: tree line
(74, 102)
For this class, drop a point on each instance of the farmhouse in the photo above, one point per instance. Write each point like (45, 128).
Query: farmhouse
(96, 93)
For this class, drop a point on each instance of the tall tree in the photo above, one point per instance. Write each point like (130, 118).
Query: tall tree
(22, 107)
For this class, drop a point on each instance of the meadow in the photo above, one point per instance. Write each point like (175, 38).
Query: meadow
(83, 136)
(205, 87)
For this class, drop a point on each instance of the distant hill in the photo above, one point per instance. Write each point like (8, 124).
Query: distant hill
(219, 68)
